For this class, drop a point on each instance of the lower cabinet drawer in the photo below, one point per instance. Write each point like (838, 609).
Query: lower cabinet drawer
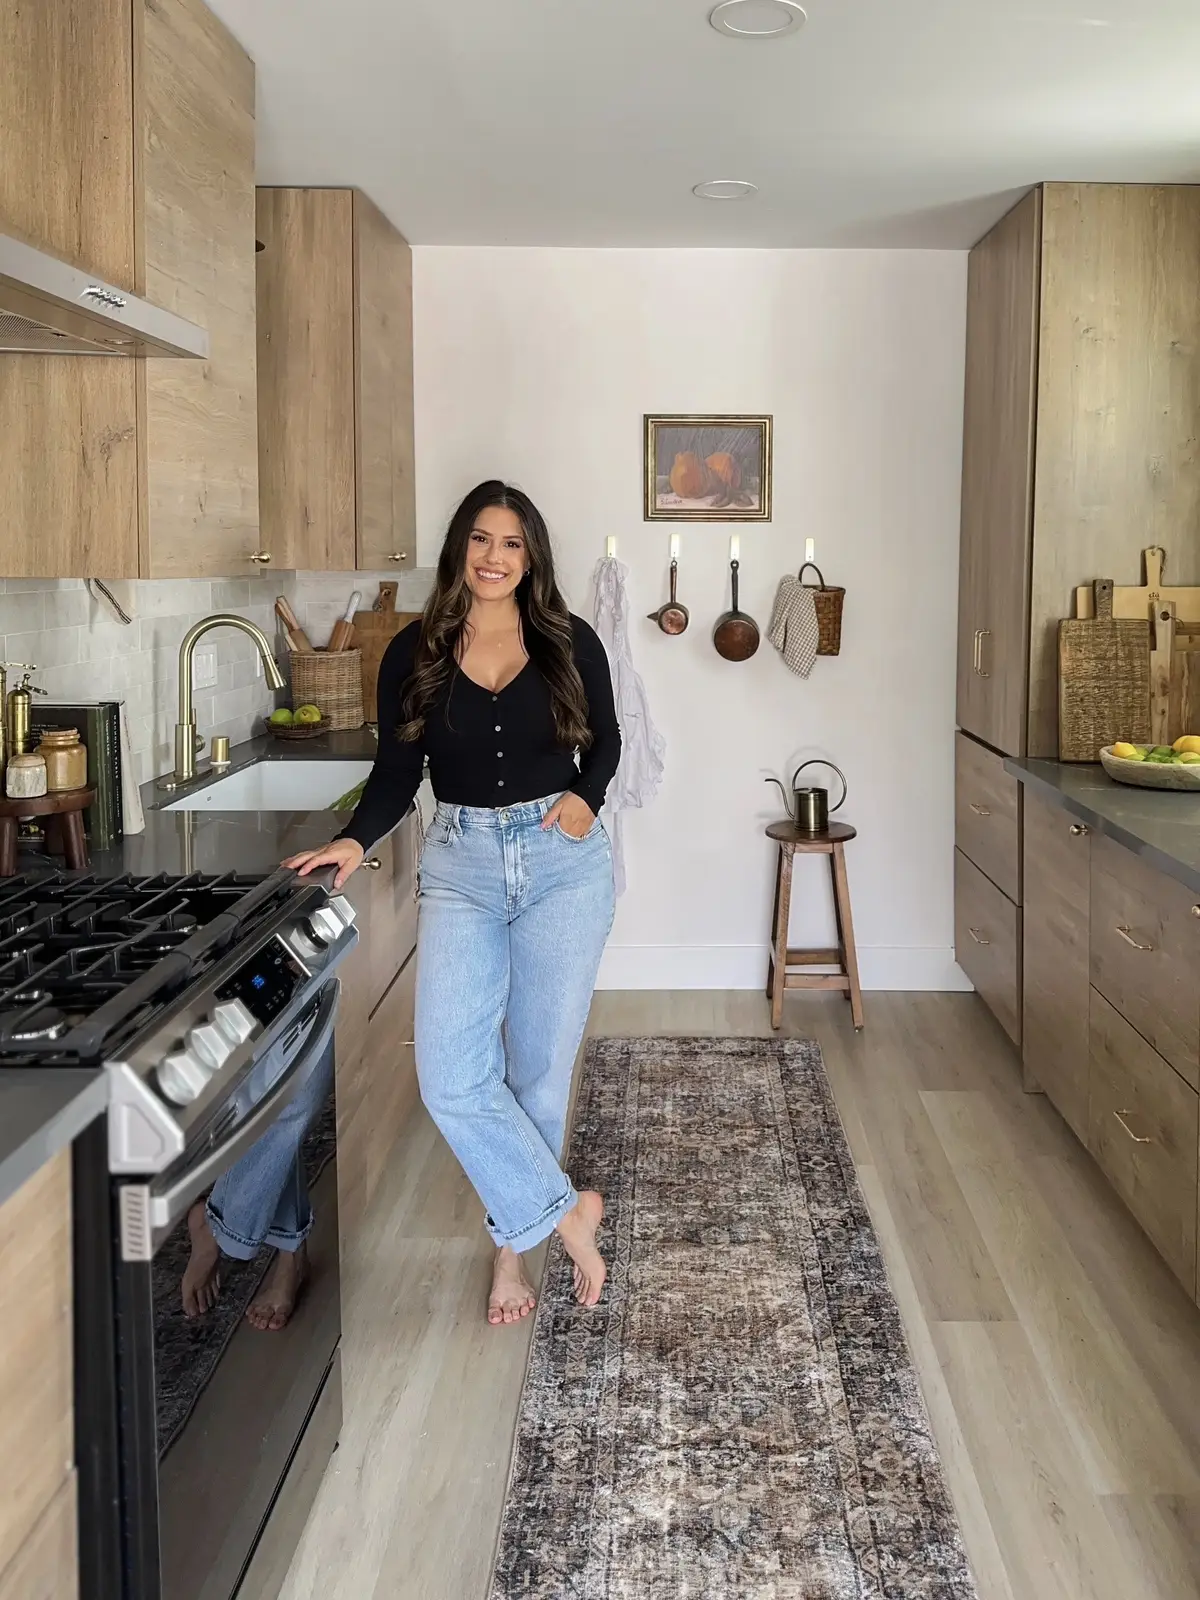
(1143, 1121)
(1145, 952)
(393, 905)
(391, 1072)
(987, 814)
(987, 943)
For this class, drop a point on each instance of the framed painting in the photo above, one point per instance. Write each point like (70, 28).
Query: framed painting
(708, 469)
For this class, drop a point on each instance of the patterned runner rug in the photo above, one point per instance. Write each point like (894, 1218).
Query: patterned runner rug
(739, 1418)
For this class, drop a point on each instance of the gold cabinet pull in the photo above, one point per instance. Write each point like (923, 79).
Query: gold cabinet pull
(980, 811)
(977, 936)
(261, 557)
(398, 555)
(372, 863)
(1196, 911)
(1137, 1138)
(1130, 940)
(980, 635)
(1079, 831)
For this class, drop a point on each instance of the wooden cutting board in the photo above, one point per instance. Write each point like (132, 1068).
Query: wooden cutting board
(1131, 602)
(374, 630)
(1103, 680)
(1174, 677)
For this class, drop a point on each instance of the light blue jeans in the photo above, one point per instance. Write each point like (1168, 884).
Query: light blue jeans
(512, 926)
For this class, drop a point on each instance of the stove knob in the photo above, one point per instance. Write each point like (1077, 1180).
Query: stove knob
(181, 1077)
(234, 1020)
(210, 1045)
(325, 925)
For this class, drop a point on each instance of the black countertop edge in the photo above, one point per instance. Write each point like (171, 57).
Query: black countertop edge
(1160, 826)
(42, 1110)
(40, 1114)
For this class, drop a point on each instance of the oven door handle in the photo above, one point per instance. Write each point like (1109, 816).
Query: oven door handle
(148, 1215)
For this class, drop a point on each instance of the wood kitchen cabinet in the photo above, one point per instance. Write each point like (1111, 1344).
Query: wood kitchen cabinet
(1056, 983)
(1111, 1017)
(335, 382)
(129, 151)
(37, 1423)
(376, 1063)
(1083, 316)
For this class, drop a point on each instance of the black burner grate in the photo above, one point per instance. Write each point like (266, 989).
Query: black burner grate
(85, 962)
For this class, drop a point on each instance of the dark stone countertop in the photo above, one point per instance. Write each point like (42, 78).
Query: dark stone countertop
(42, 1111)
(1161, 826)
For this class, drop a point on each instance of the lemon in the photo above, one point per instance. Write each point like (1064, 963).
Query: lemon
(1188, 745)
(307, 714)
(1128, 752)
(1188, 758)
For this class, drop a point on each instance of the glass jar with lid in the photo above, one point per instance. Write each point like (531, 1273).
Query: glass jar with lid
(66, 759)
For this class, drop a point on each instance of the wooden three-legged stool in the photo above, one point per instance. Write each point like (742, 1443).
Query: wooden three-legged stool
(782, 960)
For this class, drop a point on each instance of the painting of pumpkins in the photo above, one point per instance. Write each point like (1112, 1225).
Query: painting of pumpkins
(708, 469)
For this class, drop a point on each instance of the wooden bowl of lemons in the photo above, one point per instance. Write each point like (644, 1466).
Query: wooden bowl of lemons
(1147, 766)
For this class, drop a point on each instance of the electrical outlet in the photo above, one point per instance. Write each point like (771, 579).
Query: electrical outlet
(204, 668)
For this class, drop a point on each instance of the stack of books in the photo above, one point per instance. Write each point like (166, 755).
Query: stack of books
(99, 725)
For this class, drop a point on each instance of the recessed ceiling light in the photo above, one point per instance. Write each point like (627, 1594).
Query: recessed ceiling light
(757, 19)
(725, 189)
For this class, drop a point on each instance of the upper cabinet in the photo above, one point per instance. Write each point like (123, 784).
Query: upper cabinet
(129, 151)
(1079, 445)
(335, 389)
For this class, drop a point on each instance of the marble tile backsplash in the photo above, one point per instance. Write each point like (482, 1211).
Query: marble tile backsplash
(82, 651)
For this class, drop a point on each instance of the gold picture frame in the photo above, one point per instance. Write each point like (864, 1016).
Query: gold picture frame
(707, 469)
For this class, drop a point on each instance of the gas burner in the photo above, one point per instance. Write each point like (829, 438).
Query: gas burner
(34, 1029)
(85, 962)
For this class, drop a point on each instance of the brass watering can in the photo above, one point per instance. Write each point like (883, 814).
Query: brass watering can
(809, 810)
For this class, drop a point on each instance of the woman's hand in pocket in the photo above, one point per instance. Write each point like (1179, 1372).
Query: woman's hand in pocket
(573, 815)
(344, 854)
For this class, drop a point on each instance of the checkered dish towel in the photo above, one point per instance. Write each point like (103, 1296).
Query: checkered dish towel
(794, 631)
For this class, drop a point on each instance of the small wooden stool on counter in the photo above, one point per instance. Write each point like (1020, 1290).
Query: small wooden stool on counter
(793, 841)
(64, 826)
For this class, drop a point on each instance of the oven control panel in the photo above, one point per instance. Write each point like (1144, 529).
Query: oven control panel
(266, 982)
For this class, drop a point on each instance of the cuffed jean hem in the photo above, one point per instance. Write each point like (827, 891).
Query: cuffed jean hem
(232, 1244)
(533, 1234)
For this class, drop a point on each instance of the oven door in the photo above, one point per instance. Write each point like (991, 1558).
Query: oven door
(212, 1410)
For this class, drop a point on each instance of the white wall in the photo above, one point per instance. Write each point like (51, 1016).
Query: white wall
(537, 366)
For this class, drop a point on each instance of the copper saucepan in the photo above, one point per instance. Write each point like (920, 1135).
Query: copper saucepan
(671, 618)
(735, 635)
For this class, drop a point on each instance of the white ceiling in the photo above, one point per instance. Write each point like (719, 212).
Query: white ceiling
(587, 122)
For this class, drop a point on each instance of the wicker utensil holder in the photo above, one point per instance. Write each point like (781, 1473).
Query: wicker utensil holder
(332, 683)
(829, 612)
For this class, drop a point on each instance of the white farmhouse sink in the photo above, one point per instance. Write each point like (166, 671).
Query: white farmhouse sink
(277, 786)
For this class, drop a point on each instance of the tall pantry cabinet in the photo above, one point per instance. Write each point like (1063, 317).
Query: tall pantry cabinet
(1080, 450)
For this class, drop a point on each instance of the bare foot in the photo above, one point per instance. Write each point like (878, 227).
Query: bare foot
(276, 1300)
(512, 1295)
(202, 1275)
(577, 1230)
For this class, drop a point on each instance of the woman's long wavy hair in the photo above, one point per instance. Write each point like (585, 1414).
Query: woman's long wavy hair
(545, 620)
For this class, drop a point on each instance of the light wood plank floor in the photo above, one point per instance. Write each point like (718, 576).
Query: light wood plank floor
(1060, 1361)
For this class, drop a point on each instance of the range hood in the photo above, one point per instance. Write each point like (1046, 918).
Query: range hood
(48, 307)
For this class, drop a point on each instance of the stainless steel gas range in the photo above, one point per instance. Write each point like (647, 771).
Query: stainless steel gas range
(210, 1003)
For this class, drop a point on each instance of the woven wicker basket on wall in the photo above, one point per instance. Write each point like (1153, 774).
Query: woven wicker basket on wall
(829, 612)
(333, 683)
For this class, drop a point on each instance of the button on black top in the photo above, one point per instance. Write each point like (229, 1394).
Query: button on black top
(460, 746)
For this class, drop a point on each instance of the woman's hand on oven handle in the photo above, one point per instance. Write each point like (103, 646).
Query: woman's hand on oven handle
(344, 854)
(573, 815)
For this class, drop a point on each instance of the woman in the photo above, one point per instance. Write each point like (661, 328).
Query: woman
(499, 686)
